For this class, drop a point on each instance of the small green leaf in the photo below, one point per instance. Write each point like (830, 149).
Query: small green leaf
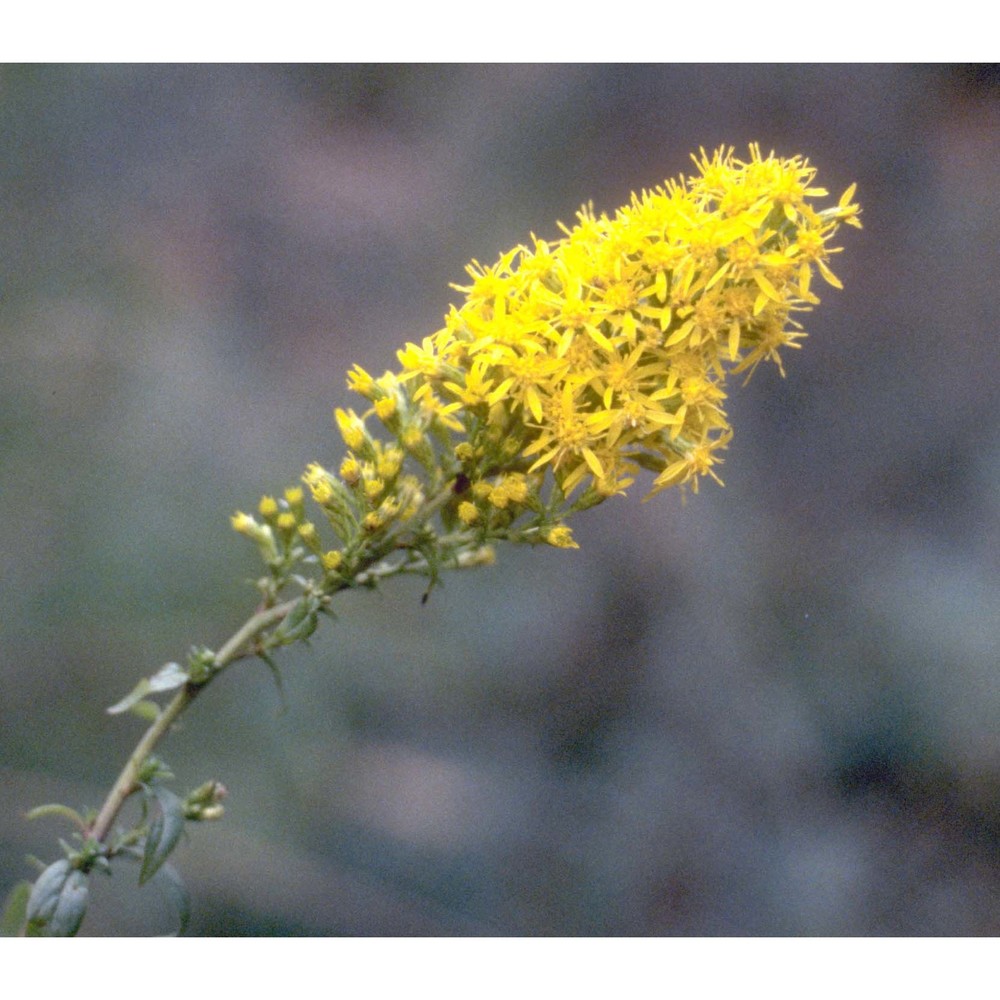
(57, 902)
(55, 809)
(300, 622)
(295, 617)
(15, 911)
(153, 770)
(147, 710)
(167, 678)
(165, 830)
(133, 698)
(276, 676)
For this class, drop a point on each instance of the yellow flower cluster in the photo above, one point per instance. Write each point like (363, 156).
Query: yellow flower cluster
(590, 357)
(608, 349)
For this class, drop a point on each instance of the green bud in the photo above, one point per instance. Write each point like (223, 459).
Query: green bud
(201, 664)
(204, 803)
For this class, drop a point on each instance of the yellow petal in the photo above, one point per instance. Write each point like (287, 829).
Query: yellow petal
(828, 274)
(718, 275)
(766, 287)
(534, 402)
(591, 459)
(680, 333)
(734, 341)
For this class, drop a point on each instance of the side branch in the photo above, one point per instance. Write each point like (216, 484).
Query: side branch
(234, 649)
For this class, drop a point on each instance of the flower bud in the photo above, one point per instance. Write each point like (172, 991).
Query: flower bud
(204, 803)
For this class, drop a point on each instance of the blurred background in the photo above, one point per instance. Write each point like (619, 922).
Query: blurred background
(770, 710)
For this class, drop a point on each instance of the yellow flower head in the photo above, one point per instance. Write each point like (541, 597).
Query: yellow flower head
(468, 512)
(561, 537)
(609, 349)
(352, 429)
(572, 365)
(385, 408)
(243, 523)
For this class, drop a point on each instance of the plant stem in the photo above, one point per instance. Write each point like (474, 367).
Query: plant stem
(238, 646)
(235, 648)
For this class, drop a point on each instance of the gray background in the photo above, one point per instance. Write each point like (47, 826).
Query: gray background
(769, 710)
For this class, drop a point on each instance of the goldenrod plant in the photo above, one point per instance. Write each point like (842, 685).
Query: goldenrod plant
(570, 366)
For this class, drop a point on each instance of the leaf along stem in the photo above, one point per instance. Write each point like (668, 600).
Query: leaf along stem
(234, 649)
(238, 646)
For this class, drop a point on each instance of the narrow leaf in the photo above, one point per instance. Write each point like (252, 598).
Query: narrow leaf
(168, 677)
(137, 694)
(165, 830)
(55, 809)
(276, 675)
(300, 623)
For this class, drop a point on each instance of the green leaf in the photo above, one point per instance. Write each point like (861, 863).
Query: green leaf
(167, 678)
(153, 770)
(165, 830)
(300, 622)
(44, 896)
(147, 710)
(133, 698)
(55, 809)
(15, 911)
(276, 676)
(57, 902)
